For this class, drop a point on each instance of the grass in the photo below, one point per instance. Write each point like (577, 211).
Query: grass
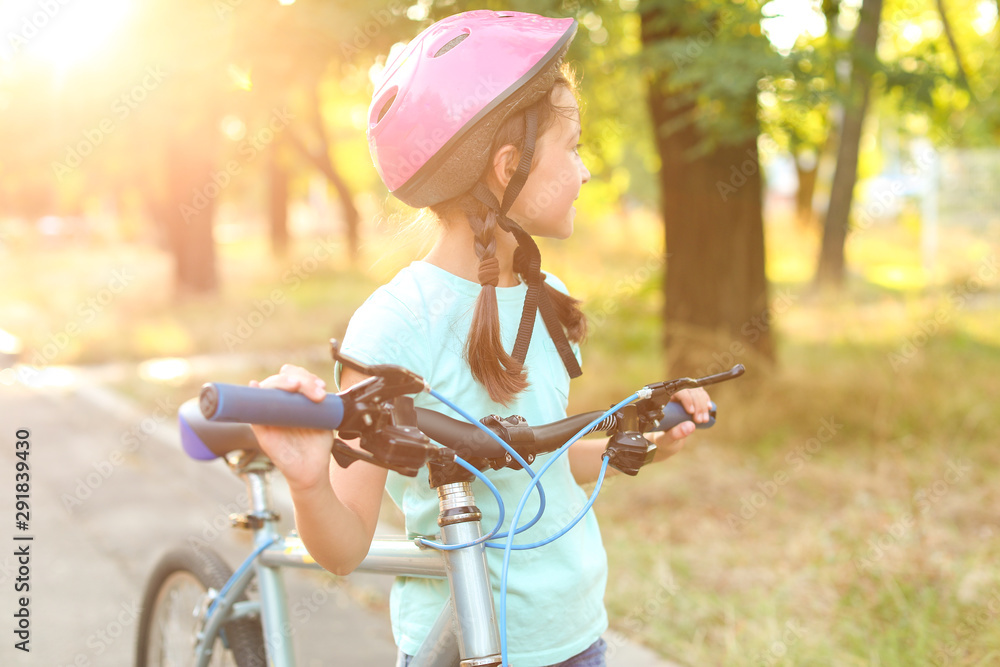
(842, 511)
(874, 545)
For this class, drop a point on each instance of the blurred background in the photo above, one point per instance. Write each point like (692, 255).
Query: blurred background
(807, 187)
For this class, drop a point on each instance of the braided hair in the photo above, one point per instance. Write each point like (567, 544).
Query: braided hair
(501, 374)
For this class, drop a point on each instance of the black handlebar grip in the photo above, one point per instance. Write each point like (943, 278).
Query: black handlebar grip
(274, 407)
(674, 414)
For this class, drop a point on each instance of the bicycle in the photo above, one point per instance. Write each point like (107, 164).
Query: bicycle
(195, 609)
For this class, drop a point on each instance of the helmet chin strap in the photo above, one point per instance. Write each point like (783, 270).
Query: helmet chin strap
(527, 258)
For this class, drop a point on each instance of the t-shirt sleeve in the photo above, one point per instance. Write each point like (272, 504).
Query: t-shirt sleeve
(384, 331)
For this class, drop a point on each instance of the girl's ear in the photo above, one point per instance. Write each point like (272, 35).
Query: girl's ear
(504, 165)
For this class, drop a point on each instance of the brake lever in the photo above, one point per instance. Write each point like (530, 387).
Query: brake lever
(395, 444)
(396, 380)
(658, 394)
(666, 389)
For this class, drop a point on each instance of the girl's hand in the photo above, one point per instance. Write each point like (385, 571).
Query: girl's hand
(696, 403)
(301, 454)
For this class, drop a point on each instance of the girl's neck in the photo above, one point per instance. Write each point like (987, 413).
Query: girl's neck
(455, 253)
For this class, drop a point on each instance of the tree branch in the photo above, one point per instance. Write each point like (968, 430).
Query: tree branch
(963, 77)
(321, 160)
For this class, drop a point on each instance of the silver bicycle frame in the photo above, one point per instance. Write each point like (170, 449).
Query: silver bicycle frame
(466, 631)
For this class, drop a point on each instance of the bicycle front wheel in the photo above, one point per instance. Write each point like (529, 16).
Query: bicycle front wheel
(173, 608)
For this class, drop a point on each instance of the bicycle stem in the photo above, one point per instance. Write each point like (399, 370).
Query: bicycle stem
(468, 576)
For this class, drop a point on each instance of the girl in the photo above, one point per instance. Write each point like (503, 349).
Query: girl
(476, 120)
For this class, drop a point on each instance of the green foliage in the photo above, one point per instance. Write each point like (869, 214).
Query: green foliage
(709, 56)
(921, 75)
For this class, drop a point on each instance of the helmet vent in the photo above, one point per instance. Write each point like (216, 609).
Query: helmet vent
(450, 44)
(385, 108)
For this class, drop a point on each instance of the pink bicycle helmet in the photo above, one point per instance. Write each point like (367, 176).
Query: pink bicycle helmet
(435, 111)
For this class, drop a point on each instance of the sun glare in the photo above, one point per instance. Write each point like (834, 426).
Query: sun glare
(63, 33)
(986, 17)
(785, 20)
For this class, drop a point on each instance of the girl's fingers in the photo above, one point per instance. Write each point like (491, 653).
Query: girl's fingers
(696, 402)
(309, 384)
(295, 379)
(670, 442)
(681, 431)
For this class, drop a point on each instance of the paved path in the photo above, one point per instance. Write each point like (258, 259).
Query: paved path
(108, 498)
(105, 506)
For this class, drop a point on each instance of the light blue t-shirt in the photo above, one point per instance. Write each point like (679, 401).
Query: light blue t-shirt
(555, 594)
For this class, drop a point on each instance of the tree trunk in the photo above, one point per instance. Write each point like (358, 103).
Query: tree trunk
(830, 271)
(716, 296)
(804, 192)
(278, 201)
(193, 195)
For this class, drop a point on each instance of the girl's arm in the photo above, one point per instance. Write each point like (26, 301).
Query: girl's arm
(336, 509)
(585, 455)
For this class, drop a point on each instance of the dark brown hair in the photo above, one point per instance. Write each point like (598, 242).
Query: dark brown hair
(500, 374)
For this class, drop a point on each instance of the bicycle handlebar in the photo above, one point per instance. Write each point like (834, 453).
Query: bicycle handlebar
(394, 434)
(274, 407)
(222, 402)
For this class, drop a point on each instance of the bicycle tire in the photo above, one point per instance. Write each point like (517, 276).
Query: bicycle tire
(168, 623)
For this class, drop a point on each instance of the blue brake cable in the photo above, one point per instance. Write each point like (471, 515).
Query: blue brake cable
(488, 536)
(535, 482)
(510, 450)
(520, 507)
